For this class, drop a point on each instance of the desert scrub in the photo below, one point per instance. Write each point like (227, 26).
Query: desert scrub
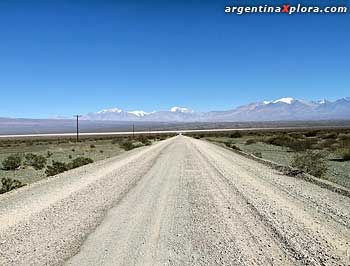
(344, 153)
(146, 142)
(12, 162)
(291, 143)
(8, 184)
(311, 162)
(258, 154)
(56, 168)
(228, 144)
(127, 145)
(37, 161)
(236, 134)
(232, 146)
(80, 161)
(250, 141)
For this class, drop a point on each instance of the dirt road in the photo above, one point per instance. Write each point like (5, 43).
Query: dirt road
(179, 202)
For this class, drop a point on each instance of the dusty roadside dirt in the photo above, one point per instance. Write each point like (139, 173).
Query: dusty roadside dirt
(180, 202)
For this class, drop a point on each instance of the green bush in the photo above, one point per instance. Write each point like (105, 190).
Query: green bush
(56, 168)
(234, 147)
(228, 144)
(236, 134)
(258, 154)
(250, 141)
(146, 142)
(279, 140)
(80, 161)
(37, 161)
(127, 145)
(12, 162)
(92, 146)
(344, 153)
(344, 140)
(231, 145)
(330, 136)
(8, 184)
(289, 142)
(115, 141)
(312, 133)
(49, 154)
(312, 162)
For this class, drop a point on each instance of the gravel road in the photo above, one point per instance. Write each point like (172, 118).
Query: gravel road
(179, 202)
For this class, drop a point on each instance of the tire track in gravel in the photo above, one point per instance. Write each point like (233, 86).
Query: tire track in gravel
(180, 202)
(314, 239)
(46, 222)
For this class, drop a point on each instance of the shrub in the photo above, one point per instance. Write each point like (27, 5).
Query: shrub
(236, 134)
(56, 168)
(8, 184)
(344, 153)
(228, 144)
(101, 151)
(92, 146)
(115, 141)
(250, 141)
(302, 145)
(258, 154)
(312, 162)
(312, 133)
(49, 154)
(344, 140)
(127, 145)
(287, 141)
(12, 162)
(70, 156)
(330, 136)
(279, 140)
(327, 144)
(37, 161)
(80, 161)
(234, 147)
(146, 142)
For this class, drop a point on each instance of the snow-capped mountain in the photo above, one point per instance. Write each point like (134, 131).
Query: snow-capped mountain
(286, 109)
(139, 113)
(180, 109)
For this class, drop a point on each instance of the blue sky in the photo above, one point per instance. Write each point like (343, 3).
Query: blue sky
(59, 58)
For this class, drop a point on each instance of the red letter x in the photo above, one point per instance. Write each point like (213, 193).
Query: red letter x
(286, 8)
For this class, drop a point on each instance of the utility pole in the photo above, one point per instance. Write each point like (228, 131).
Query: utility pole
(77, 116)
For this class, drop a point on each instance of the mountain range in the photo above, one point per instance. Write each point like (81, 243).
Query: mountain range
(284, 109)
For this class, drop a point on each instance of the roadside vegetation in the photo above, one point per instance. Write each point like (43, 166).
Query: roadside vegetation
(324, 153)
(24, 161)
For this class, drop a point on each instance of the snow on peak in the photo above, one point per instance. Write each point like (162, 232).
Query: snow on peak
(266, 102)
(138, 113)
(180, 110)
(111, 110)
(287, 100)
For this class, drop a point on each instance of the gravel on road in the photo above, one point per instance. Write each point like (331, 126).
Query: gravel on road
(179, 202)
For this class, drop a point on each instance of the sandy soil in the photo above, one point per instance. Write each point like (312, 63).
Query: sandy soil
(179, 202)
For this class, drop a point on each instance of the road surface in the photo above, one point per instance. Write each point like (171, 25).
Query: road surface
(181, 201)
